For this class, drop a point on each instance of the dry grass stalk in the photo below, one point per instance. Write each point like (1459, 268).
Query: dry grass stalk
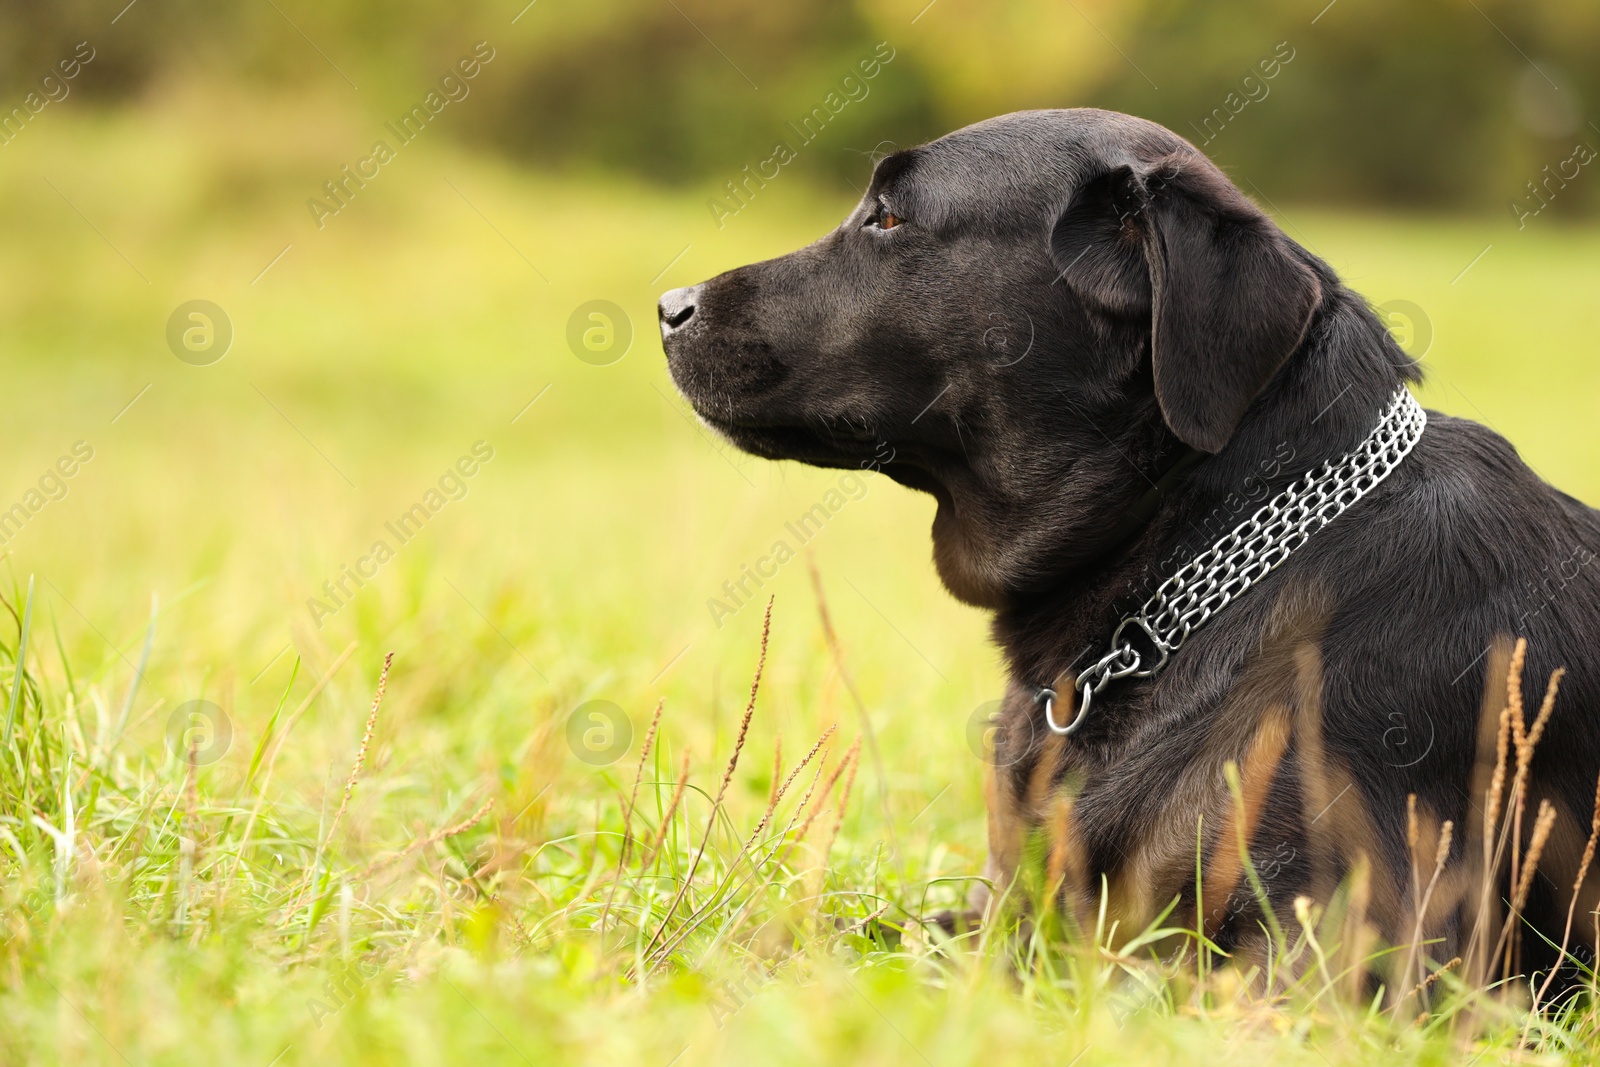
(1494, 797)
(1513, 726)
(423, 842)
(1519, 742)
(1423, 986)
(1413, 835)
(1542, 825)
(1572, 907)
(1414, 864)
(1546, 707)
(848, 765)
(350, 782)
(366, 743)
(191, 791)
(852, 756)
(189, 838)
(849, 781)
(638, 776)
(1357, 935)
(722, 789)
(666, 816)
(1541, 833)
(780, 791)
(1446, 834)
(749, 843)
(1497, 784)
(1414, 948)
(1519, 729)
(627, 812)
(191, 782)
(1525, 739)
(1524, 773)
(783, 842)
(791, 839)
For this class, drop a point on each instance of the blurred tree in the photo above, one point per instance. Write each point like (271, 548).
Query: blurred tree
(691, 89)
(1438, 103)
(1412, 104)
(984, 58)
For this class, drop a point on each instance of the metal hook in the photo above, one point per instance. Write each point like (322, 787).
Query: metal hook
(1049, 697)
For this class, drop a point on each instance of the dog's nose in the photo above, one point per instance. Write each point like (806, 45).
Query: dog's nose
(677, 308)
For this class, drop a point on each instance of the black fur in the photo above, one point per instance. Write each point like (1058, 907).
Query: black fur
(1070, 299)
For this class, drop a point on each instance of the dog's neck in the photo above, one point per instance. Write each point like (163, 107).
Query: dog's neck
(1327, 398)
(1137, 518)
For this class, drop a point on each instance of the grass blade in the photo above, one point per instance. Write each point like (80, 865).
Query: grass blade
(18, 675)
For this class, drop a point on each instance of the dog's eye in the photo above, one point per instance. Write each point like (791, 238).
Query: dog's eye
(883, 218)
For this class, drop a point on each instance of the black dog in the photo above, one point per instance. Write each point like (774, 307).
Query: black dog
(1075, 333)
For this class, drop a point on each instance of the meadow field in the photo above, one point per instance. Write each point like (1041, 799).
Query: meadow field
(472, 873)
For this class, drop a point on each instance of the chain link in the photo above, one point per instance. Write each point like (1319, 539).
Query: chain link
(1241, 558)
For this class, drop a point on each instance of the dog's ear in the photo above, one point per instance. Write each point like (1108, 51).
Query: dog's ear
(1098, 244)
(1228, 299)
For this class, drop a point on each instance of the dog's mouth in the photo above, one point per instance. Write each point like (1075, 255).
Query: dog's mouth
(742, 388)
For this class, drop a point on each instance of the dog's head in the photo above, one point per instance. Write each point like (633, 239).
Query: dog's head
(1021, 318)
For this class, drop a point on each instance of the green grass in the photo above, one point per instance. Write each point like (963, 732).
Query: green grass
(177, 567)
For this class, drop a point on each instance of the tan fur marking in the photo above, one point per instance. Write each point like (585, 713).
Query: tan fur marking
(1222, 874)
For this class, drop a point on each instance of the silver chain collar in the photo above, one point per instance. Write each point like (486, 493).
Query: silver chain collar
(1221, 574)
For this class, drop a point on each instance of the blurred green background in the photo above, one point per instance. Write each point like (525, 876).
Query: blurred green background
(1424, 103)
(382, 328)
